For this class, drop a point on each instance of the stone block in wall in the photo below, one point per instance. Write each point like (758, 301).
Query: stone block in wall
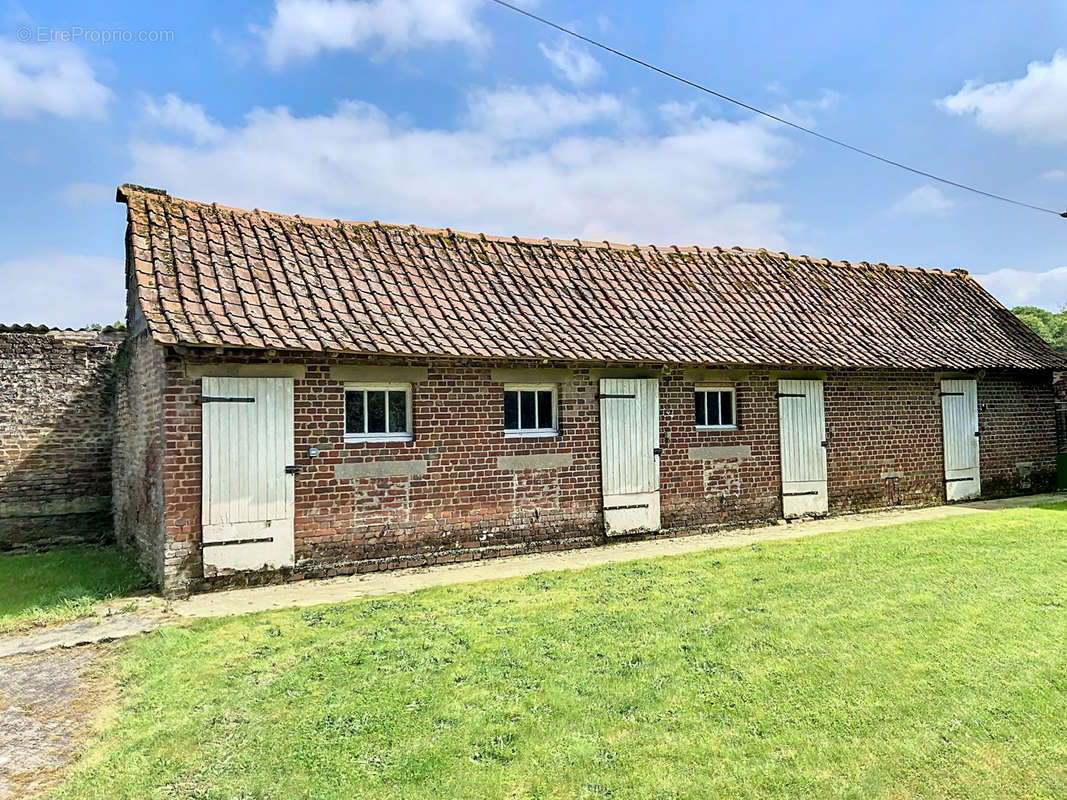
(56, 431)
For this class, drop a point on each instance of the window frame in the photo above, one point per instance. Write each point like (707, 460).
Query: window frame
(409, 432)
(717, 388)
(532, 433)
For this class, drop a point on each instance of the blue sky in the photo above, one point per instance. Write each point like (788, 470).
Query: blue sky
(457, 113)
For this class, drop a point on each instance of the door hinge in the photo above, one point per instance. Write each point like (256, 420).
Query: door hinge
(957, 480)
(293, 470)
(616, 396)
(950, 394)
(799, 494)
(788, 394)
(207, 399)
(238, 541)
(623, 508)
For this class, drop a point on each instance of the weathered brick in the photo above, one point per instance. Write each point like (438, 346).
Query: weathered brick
(465, 506)
(55, 436)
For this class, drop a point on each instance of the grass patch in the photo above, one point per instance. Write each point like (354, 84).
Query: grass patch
(62, 584)
(923, 660)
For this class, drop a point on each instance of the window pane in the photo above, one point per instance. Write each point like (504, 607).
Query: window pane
(375, 412)
(353, 412)
(713, 408)
(701, 399)
(398, 412)
(727, 406)
(511, 411)
(526, 410)
(544, 409)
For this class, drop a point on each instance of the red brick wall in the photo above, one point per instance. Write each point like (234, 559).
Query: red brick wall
(55, 437)
(137, 477)
(1016, 415)
(884, 448)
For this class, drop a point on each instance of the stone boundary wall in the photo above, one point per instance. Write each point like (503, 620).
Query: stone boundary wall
(56, 430)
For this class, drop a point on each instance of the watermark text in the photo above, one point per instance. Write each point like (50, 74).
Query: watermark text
(77, 34)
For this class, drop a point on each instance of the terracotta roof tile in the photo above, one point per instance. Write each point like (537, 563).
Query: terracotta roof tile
(216, 276)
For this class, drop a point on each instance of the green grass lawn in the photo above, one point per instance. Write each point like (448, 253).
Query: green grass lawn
(926, 660)
(62, 584)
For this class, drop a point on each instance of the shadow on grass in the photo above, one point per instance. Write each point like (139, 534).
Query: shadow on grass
(63, 584)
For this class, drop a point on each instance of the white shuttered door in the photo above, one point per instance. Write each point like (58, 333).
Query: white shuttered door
(247, 503)
(959, 421)
(629, 463)
(802, 428)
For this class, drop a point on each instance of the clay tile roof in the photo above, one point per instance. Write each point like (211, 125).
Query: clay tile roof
(215, 276)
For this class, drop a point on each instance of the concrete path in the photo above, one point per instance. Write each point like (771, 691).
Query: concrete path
(339, 590)
(89, 630)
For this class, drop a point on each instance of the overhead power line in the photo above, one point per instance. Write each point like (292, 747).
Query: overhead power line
(775, 117)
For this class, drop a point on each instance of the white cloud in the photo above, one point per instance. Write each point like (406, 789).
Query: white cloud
(62, 289)
(572, 62)
(50, 78)
(174, 114)
(238, 50)
(1033, 107)
(519, 112)
(79, 195)
(301, 29)
(926, 201)
(804, 112)
(1054, 175)
(1014, 287)
(698, 183)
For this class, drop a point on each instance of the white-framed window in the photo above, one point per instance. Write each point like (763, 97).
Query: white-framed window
(715, 407)
(530, 409)
(377, 412)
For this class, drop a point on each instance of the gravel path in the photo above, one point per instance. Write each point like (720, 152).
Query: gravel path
(47, 703)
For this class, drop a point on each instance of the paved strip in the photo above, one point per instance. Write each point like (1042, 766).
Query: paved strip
(90, 630)
(301, 594)
(341, 589)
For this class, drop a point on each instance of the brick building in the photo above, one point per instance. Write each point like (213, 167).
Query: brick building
(305, 397)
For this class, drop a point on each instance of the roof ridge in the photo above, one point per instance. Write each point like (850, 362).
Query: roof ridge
(126, 190)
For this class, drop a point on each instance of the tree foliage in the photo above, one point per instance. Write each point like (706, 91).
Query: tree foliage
(1049, 325)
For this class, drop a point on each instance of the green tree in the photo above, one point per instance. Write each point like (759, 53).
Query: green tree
(1049, 325)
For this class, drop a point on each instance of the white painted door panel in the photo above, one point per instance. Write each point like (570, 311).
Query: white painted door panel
(629, 464)
(247, 497)
(959, 421)
(802, 431)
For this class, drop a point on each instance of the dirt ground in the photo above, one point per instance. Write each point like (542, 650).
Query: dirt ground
(48, 704)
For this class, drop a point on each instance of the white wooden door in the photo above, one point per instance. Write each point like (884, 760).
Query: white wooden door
(629, 454)
(959, 422)
(247, 495)
(802, 432)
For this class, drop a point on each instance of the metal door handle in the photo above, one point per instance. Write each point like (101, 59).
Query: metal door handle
(657, 451)
(293, 470)
(824, 443)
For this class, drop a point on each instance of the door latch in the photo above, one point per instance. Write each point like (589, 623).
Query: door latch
(657, 451)
(824, 443)
(293, 470)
